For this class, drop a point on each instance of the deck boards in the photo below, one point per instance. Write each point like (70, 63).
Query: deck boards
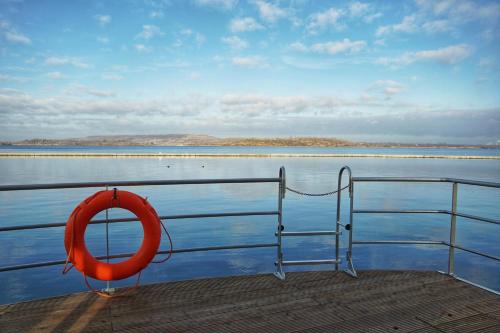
(307, 302)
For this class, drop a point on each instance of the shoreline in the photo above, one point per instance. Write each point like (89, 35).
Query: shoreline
(362, 146)
(241, 155)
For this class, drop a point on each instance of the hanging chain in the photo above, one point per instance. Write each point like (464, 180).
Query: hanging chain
(315, 194)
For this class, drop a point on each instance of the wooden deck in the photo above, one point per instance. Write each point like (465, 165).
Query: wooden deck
(379, 301)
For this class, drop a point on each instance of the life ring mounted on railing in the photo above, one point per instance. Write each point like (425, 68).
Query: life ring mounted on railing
(74, 237)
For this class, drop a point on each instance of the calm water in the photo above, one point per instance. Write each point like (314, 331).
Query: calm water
(300, 213)
(257, 150)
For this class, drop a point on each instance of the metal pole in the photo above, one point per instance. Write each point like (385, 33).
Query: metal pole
(108, 286)
(453, 227)
(350, 267)
(337, 227)
(281, 194)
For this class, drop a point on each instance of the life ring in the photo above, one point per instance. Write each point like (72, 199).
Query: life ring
(74, 235)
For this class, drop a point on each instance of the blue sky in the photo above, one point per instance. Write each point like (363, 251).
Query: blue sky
(409, 71)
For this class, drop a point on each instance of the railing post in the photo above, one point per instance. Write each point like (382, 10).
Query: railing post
(281, 194)
(350, 267)
(453, 227)
(108, 288)
(338, 224)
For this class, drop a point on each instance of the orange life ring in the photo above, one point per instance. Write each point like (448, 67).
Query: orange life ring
(74, 236)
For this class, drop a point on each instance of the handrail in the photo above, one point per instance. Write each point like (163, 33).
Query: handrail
(417, 211)
(135, 219)
(25, 187)
(453, 214)
(281, 181)
(137, 183)
(426, 180)
(126, 255)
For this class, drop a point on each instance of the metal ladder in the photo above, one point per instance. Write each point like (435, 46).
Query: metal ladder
(280, 233)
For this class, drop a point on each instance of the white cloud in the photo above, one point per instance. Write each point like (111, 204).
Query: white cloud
(142, 48)
(324, 20)
(448, 16)
(258, 105)
(462, 11)
(156, 14)
(298, 46)
(339, 47)
(188, 33)
(235, 42)
(447, 55)
(388, 88)
(17, 102)
(250, 62)
(111, 77)
(408, 24)
(217, 4)
(437, 26)
(63, 61)
(4, 77)
(78, 89)
(11, 35)
(332, 48)
(244, 24)
(357, 8)
(55, 75)
(487, 63)
(269, 12)
(172, 64)
(242, 114)
(103, 19)
(149, 31)
(310, 63)
(411, 24)
(255, 105)
(103, 40)
(16, 37)
(364, 11)
(372, 17)
(199, 38)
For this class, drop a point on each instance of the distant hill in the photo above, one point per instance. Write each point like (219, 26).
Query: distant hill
(207, 140)
(290, 142)
(184, 140)
(127, 140)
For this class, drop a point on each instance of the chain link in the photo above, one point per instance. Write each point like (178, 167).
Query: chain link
(315, 194)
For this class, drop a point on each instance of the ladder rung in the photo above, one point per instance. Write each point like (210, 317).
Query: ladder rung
(309, 233)
(311, 262)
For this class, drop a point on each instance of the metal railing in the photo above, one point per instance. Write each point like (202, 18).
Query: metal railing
(280, 263)
(279, 180)
(451, 244)
(280, 233)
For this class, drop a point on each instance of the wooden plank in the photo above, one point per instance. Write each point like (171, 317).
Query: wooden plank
(491, 305)
(307, 302)
(477, 323)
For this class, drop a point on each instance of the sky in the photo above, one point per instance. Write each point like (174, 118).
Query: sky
(381, 71)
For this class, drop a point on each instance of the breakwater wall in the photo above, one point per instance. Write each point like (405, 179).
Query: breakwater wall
(238, 155)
